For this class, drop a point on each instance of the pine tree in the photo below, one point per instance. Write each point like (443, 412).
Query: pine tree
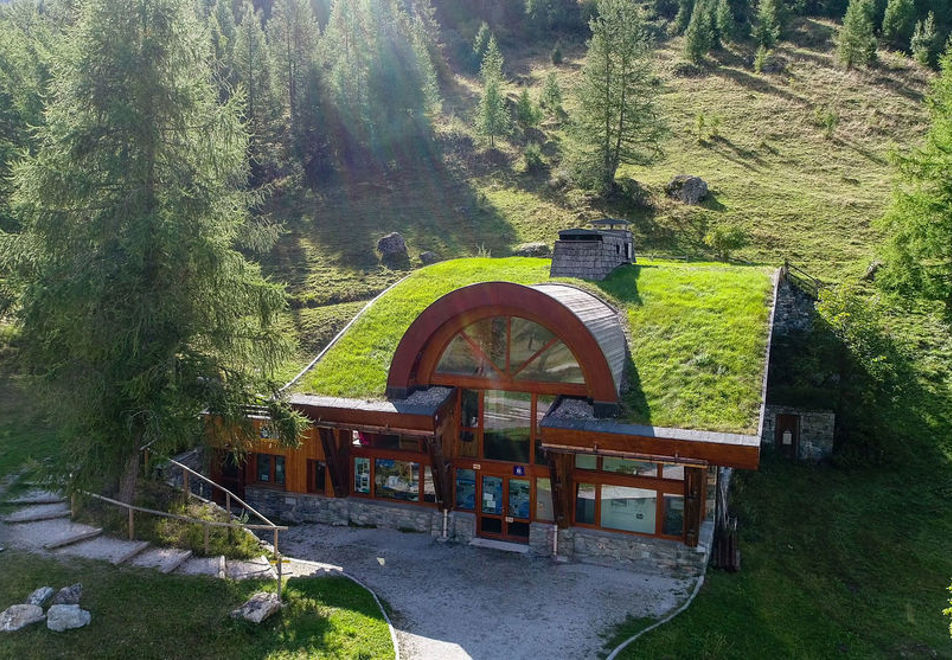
(253, 65)
(138, 311)
(552, 95)
(492, 118)
(618, 119)
(724, 23)
(898, 23)
(855, 43)
(480, 44)
(221, 27)
(925, 41)
(699, 37)
(768, 27)
(527, 114)
(919, 222)
(683, 17)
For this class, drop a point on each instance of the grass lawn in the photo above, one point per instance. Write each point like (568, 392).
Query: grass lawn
(142, 614)
(698, 336)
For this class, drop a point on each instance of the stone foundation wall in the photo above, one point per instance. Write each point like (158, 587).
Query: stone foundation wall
(576, 544)
(640, 553)
(816, 431)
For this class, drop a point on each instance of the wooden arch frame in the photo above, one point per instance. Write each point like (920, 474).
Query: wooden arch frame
(420, 348)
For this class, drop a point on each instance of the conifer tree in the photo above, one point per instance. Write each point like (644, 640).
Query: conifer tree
(925, 41)
(137, 310)
(767, 29)
(527, 114)
(898, 23)
(918, 224)
(724, 23)
(252, 64)
(855, 42)
(492, 118)
(552, 95)
(618, 119)
(292, 37)
(699, 37)
(480, 44)
(221, 27)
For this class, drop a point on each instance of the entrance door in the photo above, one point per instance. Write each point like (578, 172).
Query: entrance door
(504, 506)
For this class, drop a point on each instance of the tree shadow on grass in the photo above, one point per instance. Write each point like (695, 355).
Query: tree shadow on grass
(759, 84)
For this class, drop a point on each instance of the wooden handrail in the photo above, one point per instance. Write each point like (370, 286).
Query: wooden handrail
(247, 506)
(198, 521)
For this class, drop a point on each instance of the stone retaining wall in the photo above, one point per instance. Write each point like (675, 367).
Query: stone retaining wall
(795, 309)
(575, 544)
(816, 430)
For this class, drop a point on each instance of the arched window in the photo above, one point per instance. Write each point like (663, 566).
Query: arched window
(509, 348)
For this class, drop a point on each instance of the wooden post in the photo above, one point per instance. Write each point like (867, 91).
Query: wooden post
(228, 504)
(277, 558)
(206, 539)
(146, 464)
(72, 505)
(132, 524)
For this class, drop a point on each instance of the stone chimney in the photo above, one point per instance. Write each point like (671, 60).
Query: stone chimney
(591, 254)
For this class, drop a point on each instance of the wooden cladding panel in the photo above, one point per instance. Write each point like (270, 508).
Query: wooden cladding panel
(737, 456)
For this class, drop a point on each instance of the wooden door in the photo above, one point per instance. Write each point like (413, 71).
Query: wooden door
(788, 435)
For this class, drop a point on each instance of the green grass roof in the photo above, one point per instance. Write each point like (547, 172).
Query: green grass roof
(697, 336)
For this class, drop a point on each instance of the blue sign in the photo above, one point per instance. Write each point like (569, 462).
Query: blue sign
(519, 470)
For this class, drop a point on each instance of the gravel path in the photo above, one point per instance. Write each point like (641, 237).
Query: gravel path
(452, 601)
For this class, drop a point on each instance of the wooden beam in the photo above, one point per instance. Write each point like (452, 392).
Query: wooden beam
(694, 486)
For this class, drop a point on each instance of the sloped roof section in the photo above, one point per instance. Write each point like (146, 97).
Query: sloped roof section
(601, 319)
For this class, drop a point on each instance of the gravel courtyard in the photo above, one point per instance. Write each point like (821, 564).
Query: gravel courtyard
(454, 601)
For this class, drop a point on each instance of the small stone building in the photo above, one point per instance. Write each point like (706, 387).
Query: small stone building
(592, 254)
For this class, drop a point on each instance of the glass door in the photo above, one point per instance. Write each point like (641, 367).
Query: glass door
(504, 508)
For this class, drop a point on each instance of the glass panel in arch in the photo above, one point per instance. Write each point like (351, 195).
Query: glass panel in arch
(459, 358)
(490, 336)
(555, 365)
(527, 339)
(630, 509)
(507, 421)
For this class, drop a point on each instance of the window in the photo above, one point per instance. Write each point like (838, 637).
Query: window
(511, 348)
(429, 490)
(543, 403)
(586, 461)
(544, 509)
(585, 504)
(466, 490)
(316, 476)
(269, 469)
(362, 476)
(628, 509)
(507, 423)
(670, 471)
(625, 466)
(397, 480)
(673, 524)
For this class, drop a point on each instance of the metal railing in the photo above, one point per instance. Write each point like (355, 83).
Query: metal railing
(801, 279)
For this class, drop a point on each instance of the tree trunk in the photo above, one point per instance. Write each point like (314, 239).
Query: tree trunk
(130, 475)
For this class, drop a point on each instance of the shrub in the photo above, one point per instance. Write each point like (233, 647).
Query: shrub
(760, 59)
(533, 158)
(826, 119)
(557, 54)
(724, 239)
(925, 41)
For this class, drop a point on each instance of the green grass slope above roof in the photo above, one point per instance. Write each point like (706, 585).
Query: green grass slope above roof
(697, 336)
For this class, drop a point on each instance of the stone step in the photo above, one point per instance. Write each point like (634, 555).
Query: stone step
(243, 569)
(37, 535)
(37, 496)
(107, 548)
(75, 538)
(493, 544)
(136, 550)
(214, 566)
(38, 512)
(164, 560)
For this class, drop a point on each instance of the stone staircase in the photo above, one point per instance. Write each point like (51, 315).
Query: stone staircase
(42, 524)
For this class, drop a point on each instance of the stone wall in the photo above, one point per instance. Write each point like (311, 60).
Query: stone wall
(795, 309)
(640, 553)
(590, 260)
(816, 430)
(575, 544)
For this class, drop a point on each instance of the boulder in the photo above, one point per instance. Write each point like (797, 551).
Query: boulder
(392, 246)
(68, 595)
(41, 596)
(538, 249)
(258, 608)
(689, 189)
(67, 617)
(19, 616)
(428, 257)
